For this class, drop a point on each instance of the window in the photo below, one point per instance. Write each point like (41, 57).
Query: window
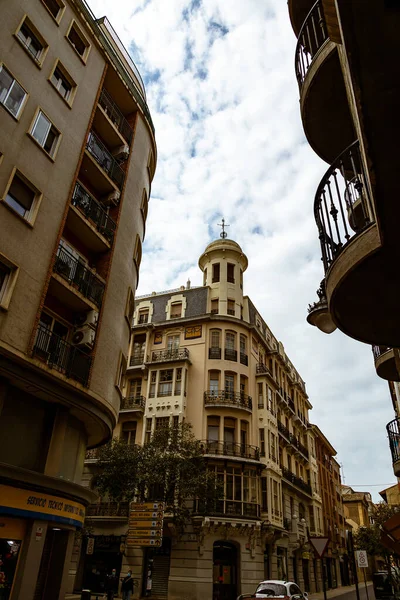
(8, 277)
(176, 310)
(264, 494)
(230, 345)
(31, 40)
(270, 401)
(214, 383)
(12, 94)
(213, 429)
(273, 444)
(144, 207)
(22, 197)
(130, 307)
(121, 372)
(215, 273)
(153, 381)
(55, 8)
(162, 422)
(63, 82)
(205, 277)
(214, 306)
(230, 273)
(149, 422)
(173, 342)
(137, 254)
(231, 307)
(229, 385)
(128, 432)
(215, 344)
(260, 395)
(262, 441)
(165, 383)
(135, 388)
(78, 41)
(178, 382)
(45, 134)
(143, 316)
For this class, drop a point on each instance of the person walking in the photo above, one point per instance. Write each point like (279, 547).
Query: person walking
(111, 584)
(127, 586)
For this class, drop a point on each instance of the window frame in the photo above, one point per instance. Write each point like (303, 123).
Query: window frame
(60, 14)
(56, 146)
(30, 218)
(8, 285)
(83, 57)
(24, 101)
(72, 93)
(39, 60)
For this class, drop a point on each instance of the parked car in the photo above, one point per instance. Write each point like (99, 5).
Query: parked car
(276, 588)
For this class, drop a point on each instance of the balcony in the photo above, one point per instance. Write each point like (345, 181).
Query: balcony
(109, 166)
(299, 446)
(214, 353)
(175, 354)
(230, 449)
(312, 37)
(393, 431)
(133, 403)
(284, 431)
(386, 362)
(228, 508)
(244, 359)
(79, 277)
(108, 510)
(90, 222)
(62, 356)
(92, 454)
(262, 369)
(296, 481)
(230, 354)
(116, 117)
(137, 359)
(225, 398)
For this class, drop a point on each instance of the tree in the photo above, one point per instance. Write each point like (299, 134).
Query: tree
(170, 467)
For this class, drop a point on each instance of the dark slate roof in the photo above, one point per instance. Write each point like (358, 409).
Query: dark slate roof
(196, 302)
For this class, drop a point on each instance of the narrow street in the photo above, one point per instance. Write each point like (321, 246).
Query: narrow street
(347, 593)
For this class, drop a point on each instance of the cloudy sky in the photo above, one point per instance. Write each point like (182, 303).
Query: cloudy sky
(222, 92)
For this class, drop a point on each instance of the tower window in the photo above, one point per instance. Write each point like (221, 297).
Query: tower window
(231, 273)
(214, 306)
(231, 307)
(215, 273)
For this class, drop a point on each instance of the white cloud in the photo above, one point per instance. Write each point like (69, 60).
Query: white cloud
(230, 142)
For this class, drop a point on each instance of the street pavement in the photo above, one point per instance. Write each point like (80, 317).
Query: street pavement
(347, 592)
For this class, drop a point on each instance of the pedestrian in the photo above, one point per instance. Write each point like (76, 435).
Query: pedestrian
(111, 584)
(127, 586)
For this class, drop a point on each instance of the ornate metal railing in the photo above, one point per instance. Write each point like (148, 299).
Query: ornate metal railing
(284, 430)
(136, 359)
(214, 353)
(93, 211)
(115, 115)
(379, 350)
(133, 403)
(108, 509)
(393, 431)
(261, 369)
(230, 449)
(290, 403)
(297, 481)
(230, 354)
(312, 36)
(297, 444)
(227, 508)
(106, 160)
(226, 397)
(342, 205)
(173, 354)
(61, 355)
(79, 275)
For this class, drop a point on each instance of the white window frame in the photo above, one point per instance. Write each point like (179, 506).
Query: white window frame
(69, 98)
(3, 102)
(39, 58)
(56, 144)
(31, 215)
(9, 282)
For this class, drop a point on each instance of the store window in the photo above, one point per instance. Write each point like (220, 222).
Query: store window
(9, 553)
(215, 273)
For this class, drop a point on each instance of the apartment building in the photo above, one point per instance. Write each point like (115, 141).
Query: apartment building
(206, 356)
(77, 157)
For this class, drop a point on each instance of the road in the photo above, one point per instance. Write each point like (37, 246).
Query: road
(341, 594)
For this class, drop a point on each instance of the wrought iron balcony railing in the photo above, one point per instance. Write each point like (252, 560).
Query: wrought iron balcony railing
(393, 430)
(297, 444)
(244, 359)
(342, 205)
(291, 404)
(297, 481)
(262, 369)
(92, 454)
(312, 36)
(93, 211)
(230, 449)
(214, 353)
(226, 397)
(115, 115)
(108, 509)
(230, 354)
(133, 403)
(379, 350)
(79, 275)
(136, 359)
(284, 430)
(105, 159)
(61, 355)
(166, 355)
(227, 508)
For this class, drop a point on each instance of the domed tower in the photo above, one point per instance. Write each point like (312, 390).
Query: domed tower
(223, 264)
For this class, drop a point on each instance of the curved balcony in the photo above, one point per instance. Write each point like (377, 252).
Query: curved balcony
(325, 111)
(226, 398)
(133, 403)
(298, 10)
(175, 354)
(385, 362)
(228, 508)
(393, 431)
(230, 449)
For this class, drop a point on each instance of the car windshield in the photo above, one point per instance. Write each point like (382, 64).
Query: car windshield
(271, 589)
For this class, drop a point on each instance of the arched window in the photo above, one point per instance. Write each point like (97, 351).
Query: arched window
(214, 350)
(214, 382)
(230, 346)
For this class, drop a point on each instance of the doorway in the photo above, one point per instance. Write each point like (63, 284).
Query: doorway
(225, 571)
(156, 570)
(52, 564)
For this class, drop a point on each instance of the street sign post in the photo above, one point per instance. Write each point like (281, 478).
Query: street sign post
(319, 545)
(145, 524)
(362, 563)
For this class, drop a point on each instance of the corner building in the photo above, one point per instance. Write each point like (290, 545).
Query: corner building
(205, 355)
(77, 156)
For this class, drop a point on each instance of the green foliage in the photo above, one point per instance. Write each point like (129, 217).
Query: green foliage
(369, 538)
(170, 467)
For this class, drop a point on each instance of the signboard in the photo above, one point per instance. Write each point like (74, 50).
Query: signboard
(143, 542)
(362, 559)
(149, 506)
(193, 332)
(319, 544)
(146, 514)
(145, 524)
(90, 546)
(145, 532)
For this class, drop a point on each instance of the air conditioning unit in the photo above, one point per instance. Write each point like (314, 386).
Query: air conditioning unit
(84, 336)
(122, 152)
(112, 198)
(90, 318)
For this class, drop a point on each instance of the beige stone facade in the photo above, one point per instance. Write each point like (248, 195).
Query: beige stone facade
(206, 356)
(77, 156)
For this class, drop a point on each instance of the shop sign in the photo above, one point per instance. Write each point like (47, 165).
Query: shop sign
(36, 505)
(193, 332)
(38, 533)
(143, 542)
(90, 546)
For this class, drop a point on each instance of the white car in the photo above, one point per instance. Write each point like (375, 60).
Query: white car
(276, 588)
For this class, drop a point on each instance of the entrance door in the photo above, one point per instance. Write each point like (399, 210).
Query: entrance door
(52, 565)
(225, 566)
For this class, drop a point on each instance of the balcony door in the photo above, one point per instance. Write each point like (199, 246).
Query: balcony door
(135, 388)
(229, 435)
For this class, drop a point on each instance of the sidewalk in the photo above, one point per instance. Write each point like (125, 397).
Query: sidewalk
(340, 591)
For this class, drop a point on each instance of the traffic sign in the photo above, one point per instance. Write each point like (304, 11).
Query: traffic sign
(146, 524)
(146, 514)
(133, 533)
(362, 559)
(134, 506)
(143, 542)
(319, 544)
